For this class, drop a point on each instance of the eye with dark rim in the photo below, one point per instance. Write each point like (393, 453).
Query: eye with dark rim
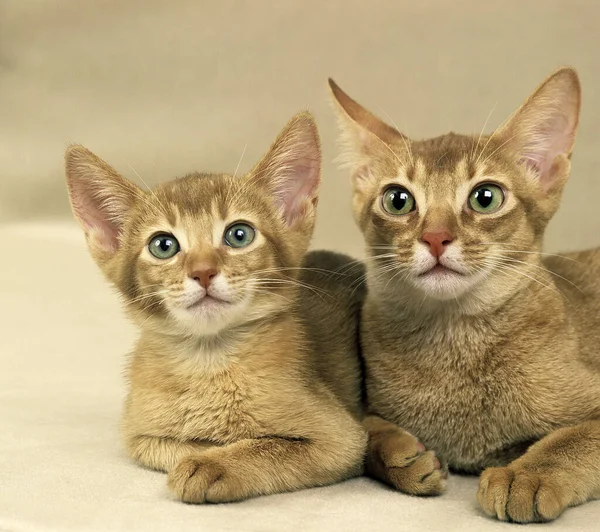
(163, 246)
(398, 201)
(486, 198)
(239, 235)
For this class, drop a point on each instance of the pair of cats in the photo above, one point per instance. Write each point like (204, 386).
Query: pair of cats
(247, 378)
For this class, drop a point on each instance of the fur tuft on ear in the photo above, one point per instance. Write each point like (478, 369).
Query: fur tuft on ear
(542, 130)
(100, 197)
(291, 169)
(363, 135)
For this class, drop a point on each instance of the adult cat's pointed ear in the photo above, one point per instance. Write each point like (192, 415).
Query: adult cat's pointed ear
(541, 133)
(100, 198)
(363, 135)
(291, 169)
(356, 113)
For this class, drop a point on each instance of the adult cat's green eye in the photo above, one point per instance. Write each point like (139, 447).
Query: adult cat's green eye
(486, 198)
(163, 246)
(397, 200)
(239, 235)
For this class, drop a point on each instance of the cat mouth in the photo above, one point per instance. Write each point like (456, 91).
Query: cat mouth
(208, 302)
(438, 270)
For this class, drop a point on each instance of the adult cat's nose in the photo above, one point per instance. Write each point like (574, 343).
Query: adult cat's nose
(437, 242)
(204, 275)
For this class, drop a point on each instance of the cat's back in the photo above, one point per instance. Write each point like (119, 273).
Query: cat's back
(330, 305)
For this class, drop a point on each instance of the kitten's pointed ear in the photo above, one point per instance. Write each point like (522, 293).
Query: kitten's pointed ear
(541, 133)
(363, 135)
(100, 198)
(291, 169)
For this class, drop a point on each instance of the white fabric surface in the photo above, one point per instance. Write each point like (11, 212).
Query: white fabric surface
(62, 468)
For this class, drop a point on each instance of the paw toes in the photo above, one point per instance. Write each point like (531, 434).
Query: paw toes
(520, 507)
(521, 496)
(218, 492)
(191, 478)
(548, 504)
(399, 452)
(432, 484)
(180, 474)
(422, 476)
(493, 491)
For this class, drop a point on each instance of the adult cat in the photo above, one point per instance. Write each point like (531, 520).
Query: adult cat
(472, 341)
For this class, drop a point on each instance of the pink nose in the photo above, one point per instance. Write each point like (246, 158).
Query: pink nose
(437, 242)
(204, 276)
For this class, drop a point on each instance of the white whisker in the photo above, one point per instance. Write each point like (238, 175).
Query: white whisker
(240, 161)
(164, 210)
(474, 150)
(406, 143)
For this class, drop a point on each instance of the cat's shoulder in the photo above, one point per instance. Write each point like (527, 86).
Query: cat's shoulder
(578, 272)
(334, 271)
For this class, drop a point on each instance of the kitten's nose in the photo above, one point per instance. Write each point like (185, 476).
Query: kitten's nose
(437, 242)
(204, 275)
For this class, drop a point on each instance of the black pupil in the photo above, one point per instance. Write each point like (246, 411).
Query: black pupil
(164, 244)
(399, 200)
(484, 197)
(239, 235)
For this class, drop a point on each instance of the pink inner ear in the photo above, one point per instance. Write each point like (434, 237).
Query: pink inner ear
(93, 213)
(298, 185)
(549, 140)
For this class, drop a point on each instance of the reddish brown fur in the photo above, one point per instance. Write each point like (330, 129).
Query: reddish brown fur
(509, 356)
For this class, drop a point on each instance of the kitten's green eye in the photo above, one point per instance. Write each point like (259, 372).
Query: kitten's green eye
(163, 246)
(486, 198)
(397, 200)
(239, 235)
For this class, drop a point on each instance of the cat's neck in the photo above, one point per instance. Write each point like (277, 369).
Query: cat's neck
(212, 353)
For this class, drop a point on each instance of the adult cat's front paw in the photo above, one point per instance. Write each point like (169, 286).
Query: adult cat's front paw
(198, 479)
(520, 495)
(401, 461)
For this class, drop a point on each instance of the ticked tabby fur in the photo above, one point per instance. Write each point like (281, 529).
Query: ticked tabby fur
(474, 340)
(245, 380)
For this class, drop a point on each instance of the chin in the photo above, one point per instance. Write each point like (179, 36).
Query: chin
(208, 317)
(211, 317)
(443, 285)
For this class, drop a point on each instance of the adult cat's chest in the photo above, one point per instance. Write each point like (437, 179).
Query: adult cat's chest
(453, 391)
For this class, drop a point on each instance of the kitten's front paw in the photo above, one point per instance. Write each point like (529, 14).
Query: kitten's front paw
(401, 461)
(201, 480)
(520, 495)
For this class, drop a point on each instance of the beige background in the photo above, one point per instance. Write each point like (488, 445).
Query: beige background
(168, 87)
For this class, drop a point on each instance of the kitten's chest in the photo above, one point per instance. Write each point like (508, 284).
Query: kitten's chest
(219, 407)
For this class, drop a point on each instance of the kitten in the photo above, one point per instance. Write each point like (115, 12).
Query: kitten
(245, 380)
(472, 340)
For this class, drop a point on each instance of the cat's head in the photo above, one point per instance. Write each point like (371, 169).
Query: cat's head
(206, 251)
(445, 215)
